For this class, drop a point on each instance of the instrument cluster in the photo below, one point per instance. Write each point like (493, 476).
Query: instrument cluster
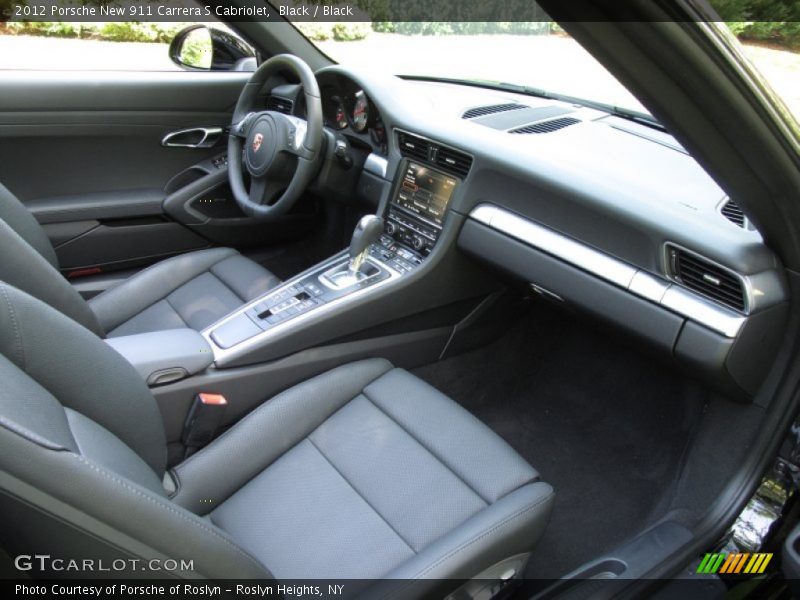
(348, 110)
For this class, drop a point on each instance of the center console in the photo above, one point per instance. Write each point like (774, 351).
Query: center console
(382, 250)
(418, 207)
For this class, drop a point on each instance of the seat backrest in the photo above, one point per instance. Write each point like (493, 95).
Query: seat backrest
(16, 216)
(83, 452)
(29, 263)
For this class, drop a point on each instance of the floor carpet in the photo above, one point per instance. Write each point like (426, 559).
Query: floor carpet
(604, 424)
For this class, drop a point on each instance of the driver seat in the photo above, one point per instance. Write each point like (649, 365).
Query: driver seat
(191, 290)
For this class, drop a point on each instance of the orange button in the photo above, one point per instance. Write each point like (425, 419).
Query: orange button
(213, 399)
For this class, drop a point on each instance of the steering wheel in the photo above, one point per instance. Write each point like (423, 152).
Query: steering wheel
(280, 151)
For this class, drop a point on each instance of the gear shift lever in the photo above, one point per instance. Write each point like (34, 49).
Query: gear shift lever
(366, 232)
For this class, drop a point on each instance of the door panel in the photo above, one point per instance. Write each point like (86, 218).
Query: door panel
(125, 244)
(76, 132)
(83, 151)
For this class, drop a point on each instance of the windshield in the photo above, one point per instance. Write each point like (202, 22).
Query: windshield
(534, 54)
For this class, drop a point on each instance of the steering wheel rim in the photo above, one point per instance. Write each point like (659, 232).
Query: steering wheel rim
(266, 142)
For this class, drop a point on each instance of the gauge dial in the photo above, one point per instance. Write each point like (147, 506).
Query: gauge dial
(341, 116)
(360, 112)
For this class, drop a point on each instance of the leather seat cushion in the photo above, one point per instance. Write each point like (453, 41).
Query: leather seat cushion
(191, 290)
(384, 476)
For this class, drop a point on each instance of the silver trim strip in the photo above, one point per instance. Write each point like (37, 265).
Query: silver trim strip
(556, 244)
(377, 165)
(223, 356)
(645, 285)
(697, 308)
(639, 282)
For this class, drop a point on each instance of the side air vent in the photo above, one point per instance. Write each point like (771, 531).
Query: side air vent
(279, 104)
(731, 211)
(447, 159)
(706, 278)
(547, 126)
(482, 111)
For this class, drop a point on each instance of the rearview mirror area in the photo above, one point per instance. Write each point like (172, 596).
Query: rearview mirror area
(201, 48)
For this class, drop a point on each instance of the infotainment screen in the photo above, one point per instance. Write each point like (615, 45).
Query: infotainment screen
(425, 192)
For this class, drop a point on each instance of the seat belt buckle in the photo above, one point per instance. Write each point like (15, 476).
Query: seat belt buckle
(203, 421)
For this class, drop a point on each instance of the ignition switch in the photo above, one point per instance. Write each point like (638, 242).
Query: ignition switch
(341, 153)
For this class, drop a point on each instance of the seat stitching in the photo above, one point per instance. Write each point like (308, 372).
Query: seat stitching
(152, 267)
(477, 538)
(161, 263)
(431, 452)
(484, 534)
(15, 326)
(357, 491)
(167, 506)
(166, 299)
(31, 436)
(225, 283)
(263, 406)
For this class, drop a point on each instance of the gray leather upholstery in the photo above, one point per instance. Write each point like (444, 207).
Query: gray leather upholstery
(25, 268)
(362, 472)
(191, 290)
(82, 445)
(17, 217)
(367, 472)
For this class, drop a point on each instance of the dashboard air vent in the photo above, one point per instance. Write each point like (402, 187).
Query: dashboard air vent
(731, 211)
(481, 111)
(447, 159)
(412, 146)
(547, 126)
(706, 278)
(453, 161)
(279, 104)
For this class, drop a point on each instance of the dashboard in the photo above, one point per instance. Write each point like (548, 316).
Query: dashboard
(583, 207)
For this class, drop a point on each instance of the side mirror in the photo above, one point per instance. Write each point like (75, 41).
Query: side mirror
(201, 48)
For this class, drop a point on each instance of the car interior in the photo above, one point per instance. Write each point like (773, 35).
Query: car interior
(310, 321)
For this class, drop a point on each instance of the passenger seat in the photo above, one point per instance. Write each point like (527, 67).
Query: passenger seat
(363, 472)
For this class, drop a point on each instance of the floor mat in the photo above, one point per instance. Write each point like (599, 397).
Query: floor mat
(605, 425)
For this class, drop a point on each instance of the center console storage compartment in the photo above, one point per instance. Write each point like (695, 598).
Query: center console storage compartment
(167, 356)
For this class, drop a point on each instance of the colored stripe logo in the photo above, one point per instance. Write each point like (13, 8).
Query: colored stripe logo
(735, 563)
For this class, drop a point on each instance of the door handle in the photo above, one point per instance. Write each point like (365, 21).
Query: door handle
(195, 137)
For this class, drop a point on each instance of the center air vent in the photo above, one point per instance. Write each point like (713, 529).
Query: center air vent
(482, 111)
(446, 158)
(731, 211)
(279, 104)
(547, 126)
(453, 161)
(706, 278)
(412, 146)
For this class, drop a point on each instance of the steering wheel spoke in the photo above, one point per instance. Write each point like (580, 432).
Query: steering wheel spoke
(296, 130)
(263, 190)
(242, 128)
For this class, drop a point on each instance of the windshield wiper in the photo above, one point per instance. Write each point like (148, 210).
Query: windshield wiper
(623, 113)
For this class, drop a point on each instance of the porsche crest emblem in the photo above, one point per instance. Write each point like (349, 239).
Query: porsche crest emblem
(257, 142)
